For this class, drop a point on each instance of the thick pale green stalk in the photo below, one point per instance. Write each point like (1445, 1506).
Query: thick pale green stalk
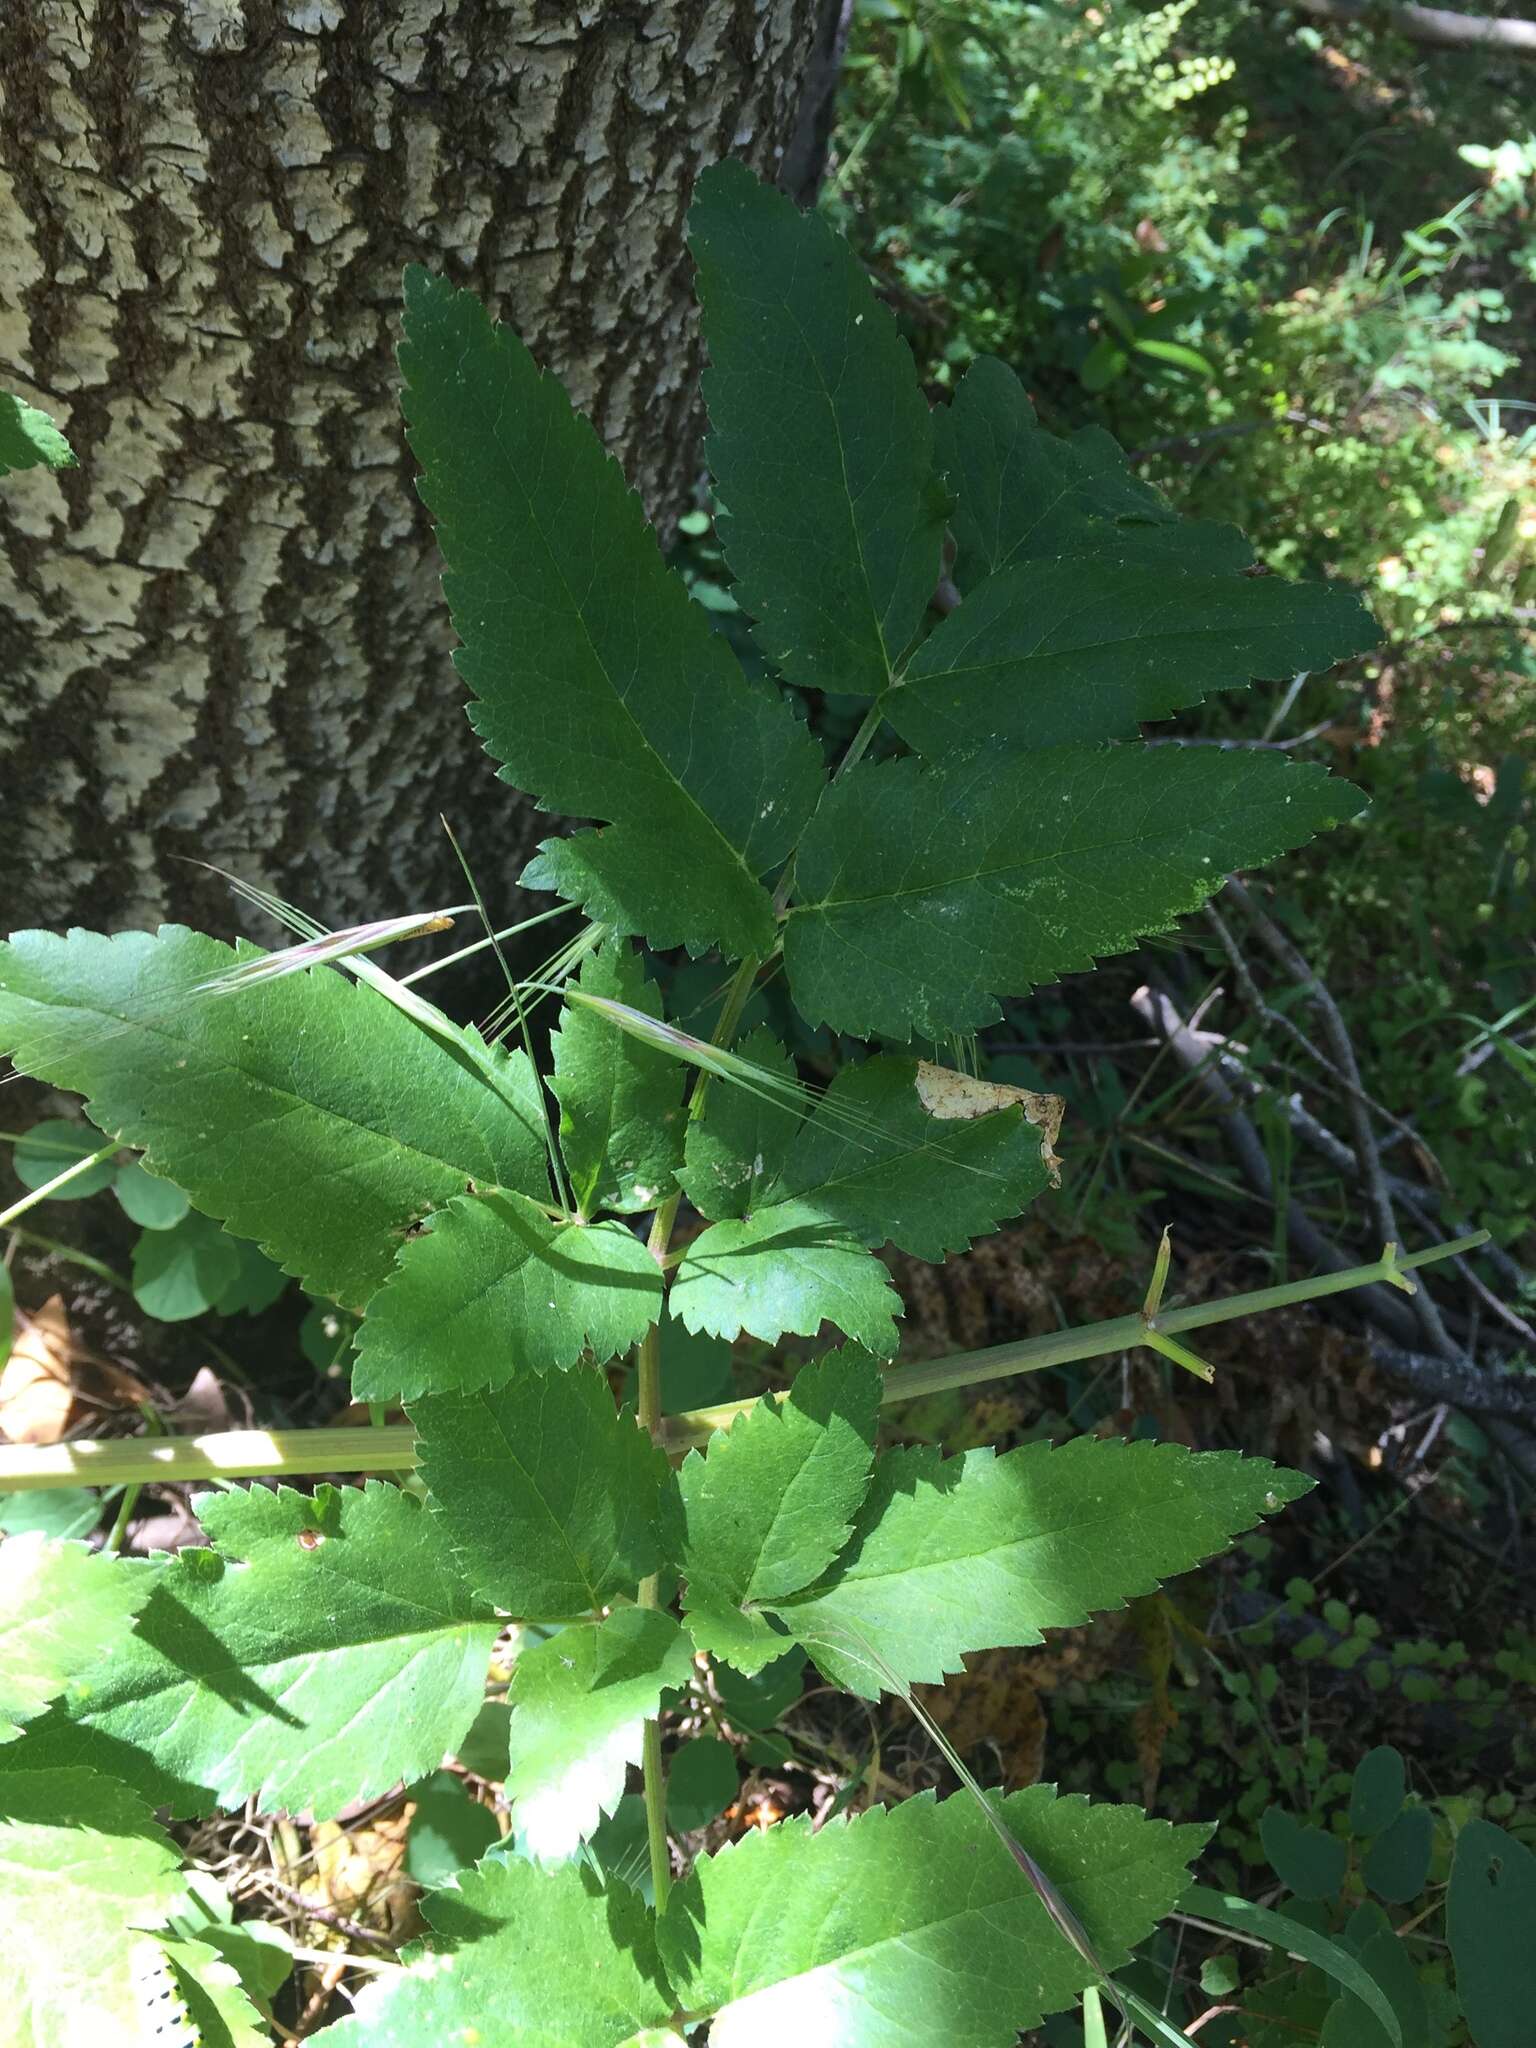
(255, 1453)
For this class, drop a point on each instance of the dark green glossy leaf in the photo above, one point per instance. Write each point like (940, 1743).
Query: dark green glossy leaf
(597, 684)
(1059, 653)
(1025, 495)
(924, 894)
(830, 514)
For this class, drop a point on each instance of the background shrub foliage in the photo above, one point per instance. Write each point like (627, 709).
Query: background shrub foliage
(667, 1712)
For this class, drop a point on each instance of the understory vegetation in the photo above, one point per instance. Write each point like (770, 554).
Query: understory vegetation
(926, 1430)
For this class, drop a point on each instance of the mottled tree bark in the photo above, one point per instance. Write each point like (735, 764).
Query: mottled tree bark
(221, 638)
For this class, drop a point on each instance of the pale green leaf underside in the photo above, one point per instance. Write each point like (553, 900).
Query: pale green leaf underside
(579, 1707)
(305, 1112)
(821, 442)
(785, 1269)
(492, 1289)
(553, 1499)
(307, 1673)
(29, 438)
(981, 1552)
(85, 1876)
(64, 1609)
(1025, 495)
(219, 2014)
(914, 1924)
(518, 1958)
(925, 893)
(621, 1116)
(769, 1504)
(598, 684)
(1065, 652)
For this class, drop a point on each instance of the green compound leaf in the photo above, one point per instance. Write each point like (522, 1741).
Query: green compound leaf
(1028, 496)
(307, 1112)
(926, 893)
(1055, 653)
(1489, 1913)
(744, 1137)
(914, 1923)
(29, 439)
(785, 1269)
(518, 1958)
(152, 1203)
(598, 684)
(181, 1272)
(621, 1114)
(983, 1552)
(821, 442)
(492, 1289)
(579, 1708)
(770, 1503)
(85, 1876)
(553, 1499)
(325, 1649)
(64, 1610)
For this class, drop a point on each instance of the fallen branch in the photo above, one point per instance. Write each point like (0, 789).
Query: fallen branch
(1437, 27)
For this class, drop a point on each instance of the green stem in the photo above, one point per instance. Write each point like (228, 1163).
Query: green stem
(648, 1377)
(71, 1172)
(255, 1453)
(860, 744)
(75, 1258)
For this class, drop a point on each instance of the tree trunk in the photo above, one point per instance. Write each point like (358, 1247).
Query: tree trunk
(221, 637)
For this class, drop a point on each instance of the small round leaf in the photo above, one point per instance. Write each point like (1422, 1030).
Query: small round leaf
(1376, 1794)
(1398, 1863)
(179, 1273)
(52, 1145)
(1306, 1859)
(152, 1203)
